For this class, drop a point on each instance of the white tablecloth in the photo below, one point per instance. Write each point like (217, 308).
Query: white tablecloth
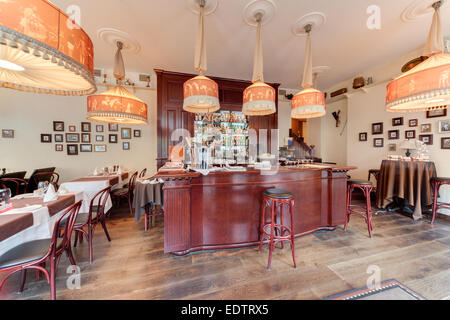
(90, 189)
(42, 227)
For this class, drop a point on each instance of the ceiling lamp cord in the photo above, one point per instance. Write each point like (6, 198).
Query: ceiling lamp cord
(307, 71)
(119, 66)
(200, 58)
(258, 63)
(435, 41)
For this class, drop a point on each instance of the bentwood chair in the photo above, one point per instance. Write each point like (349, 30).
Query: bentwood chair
(15, 185)
(34, 254)
(51, 177)
(126, 192)
(31, 183)
(143, 172)
(89, 220)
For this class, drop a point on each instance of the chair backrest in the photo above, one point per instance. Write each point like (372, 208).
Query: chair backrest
(143, 172)
(132, 183)
(51, 177)
(31, 181)
(18, 175)
(13, 184)
(98, 203)
(70, 216)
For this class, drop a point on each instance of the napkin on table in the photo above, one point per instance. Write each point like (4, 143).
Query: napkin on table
(51, 194)
(119, 171)
(95, 172)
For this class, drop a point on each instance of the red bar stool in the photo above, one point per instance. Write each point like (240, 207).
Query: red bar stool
(436, 183)
(366, 187)
(277, 232)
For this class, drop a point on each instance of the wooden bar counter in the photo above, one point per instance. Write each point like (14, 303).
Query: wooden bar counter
(221, 210)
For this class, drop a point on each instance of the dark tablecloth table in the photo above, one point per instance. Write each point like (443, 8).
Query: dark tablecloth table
(409, 180)
(146, 194)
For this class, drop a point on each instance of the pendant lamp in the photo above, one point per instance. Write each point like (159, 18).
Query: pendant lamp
(117, 105)
(426, 86)
(43, 51)
(310, 102)
(201, 94)
(259, 98)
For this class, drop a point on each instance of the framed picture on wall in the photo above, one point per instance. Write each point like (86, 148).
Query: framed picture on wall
(113, 127)
(46, 138)
(72, 149)
(410, 134)
(397, 121)
(126, 145)
(100, 148)
(85, 147)
(394, 134)
(444, 126)
(113, 138)
(137, 133)
(426, 138)
(437, 113)
(426, 127)
(445, 143)
(392, 147)
(59, 147)
(363, 136)
(99, 128)
(72, 137)
(378, 142)
(85, 127)
(59, 138)
(126, 133)
(99, 138)
(86, 137)
(72, 128)
(413, 122)
(377, 128)
(7, 133)
(58, 126)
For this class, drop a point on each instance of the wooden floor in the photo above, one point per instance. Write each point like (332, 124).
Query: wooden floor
(133, 265)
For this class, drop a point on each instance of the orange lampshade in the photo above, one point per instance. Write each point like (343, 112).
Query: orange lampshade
(117, 105)
(201, 95)
(259, 100)
(425, 87)
(43, 51)
(308, 103)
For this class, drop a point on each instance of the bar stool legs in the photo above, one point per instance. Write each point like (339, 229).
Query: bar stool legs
(436, 184)
(366, 187)
(276, 232)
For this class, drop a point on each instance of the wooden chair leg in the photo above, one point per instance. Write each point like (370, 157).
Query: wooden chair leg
(70, 255)
(291, 205)
(106, 230)
(435, 197)
(271, 243)
(53, 278)
(90, 236)
(23, 278)
(261, 225)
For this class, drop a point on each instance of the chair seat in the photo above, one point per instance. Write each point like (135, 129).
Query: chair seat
(119, 192)
(81, 218)
(26, 252)
(441, 179)
(361, 182)
(278, 194)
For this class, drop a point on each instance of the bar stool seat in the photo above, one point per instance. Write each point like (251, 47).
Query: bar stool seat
(436, 184)
(278, 194)
(274, 230)
(366, 187)
(361, 182)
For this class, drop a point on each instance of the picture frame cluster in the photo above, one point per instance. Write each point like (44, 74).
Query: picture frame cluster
(91, 137)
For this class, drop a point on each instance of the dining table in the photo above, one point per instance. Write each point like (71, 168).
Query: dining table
(30, 218)
(91, 185)
(147, 192)
(408, 180)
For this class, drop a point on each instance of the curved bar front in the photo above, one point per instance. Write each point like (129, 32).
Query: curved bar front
(222, 210)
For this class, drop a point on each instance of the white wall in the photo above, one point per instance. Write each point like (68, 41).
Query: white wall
(284, 120)
(30, 114)
(334, 139)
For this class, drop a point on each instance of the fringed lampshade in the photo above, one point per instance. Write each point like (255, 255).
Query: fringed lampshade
(259, 100)
(117, 105)
(308, 103)
(43, 51)
(426, 86)
(201, 95)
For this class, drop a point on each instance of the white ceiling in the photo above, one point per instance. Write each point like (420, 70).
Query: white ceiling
(165, 29)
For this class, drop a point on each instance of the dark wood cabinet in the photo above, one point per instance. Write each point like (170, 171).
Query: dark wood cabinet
(171, 115)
